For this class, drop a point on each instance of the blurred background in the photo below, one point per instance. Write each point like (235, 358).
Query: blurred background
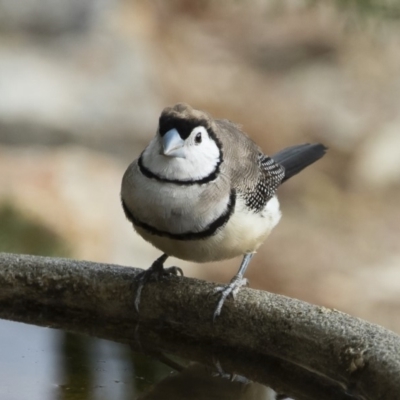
(82, 84)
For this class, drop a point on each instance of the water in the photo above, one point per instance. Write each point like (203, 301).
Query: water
(39, 363)
(47, 364)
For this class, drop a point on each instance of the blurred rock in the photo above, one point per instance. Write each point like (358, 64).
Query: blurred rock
(287, 42)
(377, 163)
(49, 17)
(93, 88)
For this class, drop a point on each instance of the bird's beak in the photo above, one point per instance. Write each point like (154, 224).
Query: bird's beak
(173, 144)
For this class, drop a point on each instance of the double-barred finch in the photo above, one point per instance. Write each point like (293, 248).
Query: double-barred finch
(203, 191)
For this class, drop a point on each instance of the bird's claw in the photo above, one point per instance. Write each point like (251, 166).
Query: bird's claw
(229, 290)
(166, 272)
(154, 274)
(220, 373)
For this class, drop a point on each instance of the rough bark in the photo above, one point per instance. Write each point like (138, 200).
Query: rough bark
(304, 350)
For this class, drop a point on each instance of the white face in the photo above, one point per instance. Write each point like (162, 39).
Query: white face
(173, 158)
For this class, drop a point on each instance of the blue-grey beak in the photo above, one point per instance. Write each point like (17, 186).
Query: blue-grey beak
(173, 144)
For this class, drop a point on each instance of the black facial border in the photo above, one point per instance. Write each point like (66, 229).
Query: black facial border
(211, 177)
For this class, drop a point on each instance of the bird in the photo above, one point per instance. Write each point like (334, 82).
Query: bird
(203, 190)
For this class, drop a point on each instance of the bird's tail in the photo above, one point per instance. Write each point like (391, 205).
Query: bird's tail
(296, 158)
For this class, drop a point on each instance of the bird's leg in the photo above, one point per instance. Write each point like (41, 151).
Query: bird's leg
(154, 273)
(221, 373)
(234, 285)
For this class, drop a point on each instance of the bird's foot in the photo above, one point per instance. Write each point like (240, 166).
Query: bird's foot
(155, 273)
(229, 290)
(220, 373)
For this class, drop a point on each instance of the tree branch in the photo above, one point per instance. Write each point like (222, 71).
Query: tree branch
(295, 347)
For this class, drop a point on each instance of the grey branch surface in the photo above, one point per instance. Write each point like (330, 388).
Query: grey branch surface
(304, 350)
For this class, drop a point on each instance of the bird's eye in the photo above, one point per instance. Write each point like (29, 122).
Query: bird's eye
(197, 139)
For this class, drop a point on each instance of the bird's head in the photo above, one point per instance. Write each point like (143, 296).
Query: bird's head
(185, 146)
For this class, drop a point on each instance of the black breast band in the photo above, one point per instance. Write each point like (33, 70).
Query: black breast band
(210, 230)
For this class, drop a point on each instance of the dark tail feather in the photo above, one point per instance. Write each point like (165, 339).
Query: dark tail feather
(296, 158)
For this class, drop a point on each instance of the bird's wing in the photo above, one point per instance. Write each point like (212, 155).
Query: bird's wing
(269, 179)
(254, 175)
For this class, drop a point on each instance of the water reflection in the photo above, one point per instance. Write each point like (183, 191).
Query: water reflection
(48, 364)
(76, 373)
(99, 369)
(198, 382)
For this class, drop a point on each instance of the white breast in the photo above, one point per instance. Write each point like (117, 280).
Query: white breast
(244, 233)
(174, 208)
